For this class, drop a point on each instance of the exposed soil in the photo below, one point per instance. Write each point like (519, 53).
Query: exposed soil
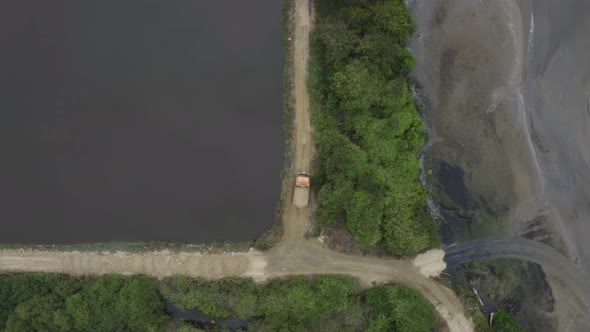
(431, 263)
(339, 238)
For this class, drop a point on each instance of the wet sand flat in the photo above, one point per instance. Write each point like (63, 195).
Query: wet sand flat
(558, 108)
(470, 66)
(506, 87)
(506, 94)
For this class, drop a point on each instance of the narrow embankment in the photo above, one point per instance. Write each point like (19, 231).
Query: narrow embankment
(158, 263)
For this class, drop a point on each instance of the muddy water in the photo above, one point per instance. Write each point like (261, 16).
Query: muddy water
(470, 68)
(506, 87)
(139, 120)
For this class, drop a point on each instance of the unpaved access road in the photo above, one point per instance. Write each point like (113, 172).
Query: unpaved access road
(293, 255)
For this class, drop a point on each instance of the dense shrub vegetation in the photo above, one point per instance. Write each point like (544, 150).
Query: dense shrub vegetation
(368, 134)
(506, 322)
(397, 308)
(47, 302)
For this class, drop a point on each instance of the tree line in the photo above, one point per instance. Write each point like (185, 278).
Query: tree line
(52, 302)
(368, 133)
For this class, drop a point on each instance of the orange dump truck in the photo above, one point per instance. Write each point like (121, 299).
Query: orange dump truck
(301, 195)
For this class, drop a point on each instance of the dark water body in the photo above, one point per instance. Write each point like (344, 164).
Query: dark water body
(202, 321)
(139, 120)
(451, 179)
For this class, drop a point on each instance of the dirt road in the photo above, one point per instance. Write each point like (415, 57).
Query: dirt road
(296, 222)
(293, 255)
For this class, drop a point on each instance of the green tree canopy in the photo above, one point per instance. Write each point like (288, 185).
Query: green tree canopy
(398, 308)
(368, 133)
(506, 322)
(108, 303)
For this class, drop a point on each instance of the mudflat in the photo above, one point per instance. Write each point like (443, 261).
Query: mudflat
(506, 87)
(470, 66)
(506, 94)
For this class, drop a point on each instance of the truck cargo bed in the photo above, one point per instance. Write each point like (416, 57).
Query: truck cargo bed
(301, 197)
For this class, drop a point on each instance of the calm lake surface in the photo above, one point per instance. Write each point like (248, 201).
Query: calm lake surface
(139, 120)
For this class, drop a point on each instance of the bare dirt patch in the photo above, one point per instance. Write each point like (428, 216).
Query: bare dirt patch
(431, 263)
(339, 239)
